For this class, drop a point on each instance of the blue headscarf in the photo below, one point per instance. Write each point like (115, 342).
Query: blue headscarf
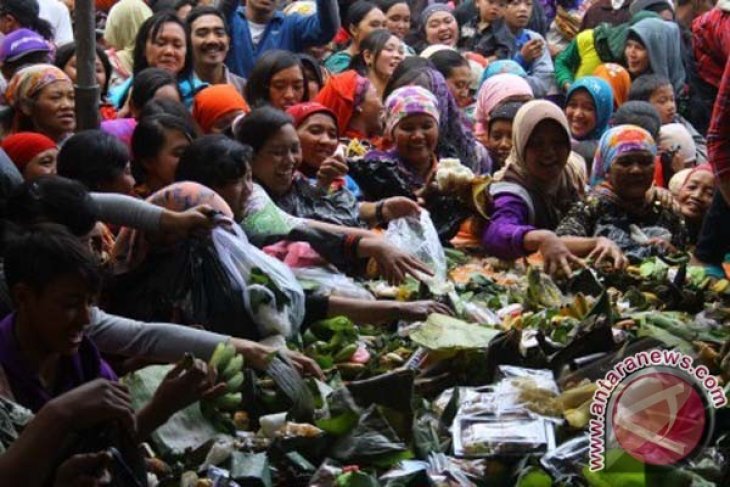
(602, 95)
(502, 66)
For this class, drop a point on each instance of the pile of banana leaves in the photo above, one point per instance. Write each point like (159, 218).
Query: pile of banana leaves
(384, 414)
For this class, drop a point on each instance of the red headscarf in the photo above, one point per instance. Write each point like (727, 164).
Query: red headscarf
(214, 102)
(302, 111)
(22, 147)
(341, 94)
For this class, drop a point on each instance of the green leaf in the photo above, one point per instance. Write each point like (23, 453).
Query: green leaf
(356, 479)
(338, 425)
(444, 333)
(534, 477)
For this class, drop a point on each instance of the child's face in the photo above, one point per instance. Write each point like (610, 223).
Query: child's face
(499, 141)
(489, 10)
(56, 314)
(663, 100)
(637, 58)
(581, 114)
(517, 13)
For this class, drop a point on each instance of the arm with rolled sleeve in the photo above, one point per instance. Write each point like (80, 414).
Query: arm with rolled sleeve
(318, 29)
(504, 236)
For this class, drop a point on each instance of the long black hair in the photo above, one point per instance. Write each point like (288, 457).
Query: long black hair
(374, 43)
(357, 11)
(146, 83)
(67, 51)
(260, 125)
(27, 13)
(150, 29)
(149, 138)
(270, 63)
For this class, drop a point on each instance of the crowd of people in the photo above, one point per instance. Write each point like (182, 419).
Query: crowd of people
(596, 131)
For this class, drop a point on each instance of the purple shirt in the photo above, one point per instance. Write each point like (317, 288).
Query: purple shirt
(504, 235)
(75, 370)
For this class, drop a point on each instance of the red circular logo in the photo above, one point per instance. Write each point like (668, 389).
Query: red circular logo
(658, 418)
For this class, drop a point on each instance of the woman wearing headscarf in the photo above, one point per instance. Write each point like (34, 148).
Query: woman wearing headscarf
(32, 153)
(619, 79)
(455, 138)
(588, 107)
(355, 103)
(408, 169)
(617, 208)
(217, 106)
(535, 190)
(42, 98)
(495, 91)
(124, 20)
(693, 190)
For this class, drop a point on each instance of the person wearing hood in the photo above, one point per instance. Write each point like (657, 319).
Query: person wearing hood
(653, 46)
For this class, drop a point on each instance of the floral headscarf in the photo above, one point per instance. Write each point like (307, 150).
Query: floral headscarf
(620, 80)
(602, 96)
(616, 142)
(132, 246)
(407, 101)
(29, 81)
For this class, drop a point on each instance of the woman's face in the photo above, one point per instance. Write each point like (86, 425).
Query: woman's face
(275, 163)
(374, 20)
(416, 137)
(286, 88)
(389, 59)
(70, 70)
(371, 111)
(637, 58)
(398, 20)
(168, 49)
(442, 28)
(123, 183)
(459, 83)
(236, 193)
(42, 164)
(313, 86)
(547, 151)
(160, 171)
(499, 140)
(52, 112)
(695, 197)
(581, 114)
(318, 139)
(631, 175)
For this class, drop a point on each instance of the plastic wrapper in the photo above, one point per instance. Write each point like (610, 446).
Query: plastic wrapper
(568, 459)
(504, 435)
(418, 237)
(524, 389)
(327, 281)
(277, 306)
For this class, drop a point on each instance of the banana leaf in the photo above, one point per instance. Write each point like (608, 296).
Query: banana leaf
(250, 469)
(185, 430)
(542, 292)
(293, 386)
(371, 438)
(446, 334)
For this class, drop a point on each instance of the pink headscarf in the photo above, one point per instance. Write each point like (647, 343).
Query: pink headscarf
(493, 92)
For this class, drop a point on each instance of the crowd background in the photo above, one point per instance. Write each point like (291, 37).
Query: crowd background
(588, 130)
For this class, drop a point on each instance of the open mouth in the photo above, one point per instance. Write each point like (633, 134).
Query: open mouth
(445, 37)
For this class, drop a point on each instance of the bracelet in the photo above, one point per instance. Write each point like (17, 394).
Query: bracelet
(379, 212)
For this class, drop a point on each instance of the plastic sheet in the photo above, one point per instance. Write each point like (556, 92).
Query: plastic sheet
(418, 236)
(328, 281)
(275, 311)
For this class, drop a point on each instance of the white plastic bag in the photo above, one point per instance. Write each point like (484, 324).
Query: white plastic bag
(331, 282)
(240, 258)
(418, 236)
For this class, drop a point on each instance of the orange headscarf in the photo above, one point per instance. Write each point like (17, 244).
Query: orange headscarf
(618, 78)
(341, 94)
(214, 102)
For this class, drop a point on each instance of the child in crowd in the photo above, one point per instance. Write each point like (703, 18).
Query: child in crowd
(485, 34)
(529, 49)
(657, 90)
(499, 132)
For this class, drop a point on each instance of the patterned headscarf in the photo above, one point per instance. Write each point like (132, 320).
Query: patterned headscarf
(502, 66)
(616, 142)
(342, 93)
(493, 92)
(602, 96)
(132, 246)
(29, 81)
(620, 80)
(214, 102)
(407, 101)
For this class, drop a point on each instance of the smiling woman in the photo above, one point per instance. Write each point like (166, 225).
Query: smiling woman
(439, 25)
(381, 52)
(278, 80)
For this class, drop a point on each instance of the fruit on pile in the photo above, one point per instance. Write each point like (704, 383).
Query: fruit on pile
(229, 366)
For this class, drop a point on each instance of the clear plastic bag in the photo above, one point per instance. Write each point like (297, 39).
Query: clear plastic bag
(328, 281)
(418, 237)
(276, 306)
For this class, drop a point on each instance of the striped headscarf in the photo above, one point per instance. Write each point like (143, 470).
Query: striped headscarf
(407, 101)
(616, 142)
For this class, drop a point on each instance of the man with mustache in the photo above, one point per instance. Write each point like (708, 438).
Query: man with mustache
(210, 43)
(259, 26)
